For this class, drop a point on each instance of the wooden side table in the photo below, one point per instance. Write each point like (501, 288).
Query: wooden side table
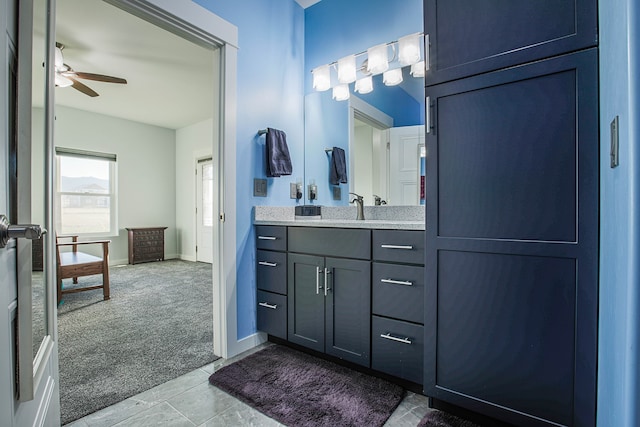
(146, 244)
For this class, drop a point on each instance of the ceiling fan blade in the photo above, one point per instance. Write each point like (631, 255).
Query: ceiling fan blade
(83, 88)
(100, 77)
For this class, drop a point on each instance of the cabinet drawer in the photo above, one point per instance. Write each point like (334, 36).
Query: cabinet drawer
(272, 314)
(271, 237)
(271, 271)
(397, 348)
(399, 246)
(336, 242)
(398, 291)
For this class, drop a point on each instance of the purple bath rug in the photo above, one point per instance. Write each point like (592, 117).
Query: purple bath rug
(297, 389)
(444, 419)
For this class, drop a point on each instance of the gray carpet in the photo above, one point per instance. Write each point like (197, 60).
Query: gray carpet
(157, 326)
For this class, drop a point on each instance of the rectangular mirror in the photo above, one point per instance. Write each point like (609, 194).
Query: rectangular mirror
(381, 131)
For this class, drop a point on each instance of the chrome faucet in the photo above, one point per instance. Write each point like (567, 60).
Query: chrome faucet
(359, 201)
(378, 200)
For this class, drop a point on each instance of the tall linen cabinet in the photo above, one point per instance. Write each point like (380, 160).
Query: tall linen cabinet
(512, 209)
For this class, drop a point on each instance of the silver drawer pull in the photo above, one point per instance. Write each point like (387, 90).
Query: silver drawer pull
(409, 247)
(268, 264)
(267, 305)
(388, 336)
(266, 238)
(397, 282)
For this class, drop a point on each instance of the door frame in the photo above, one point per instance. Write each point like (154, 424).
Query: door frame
(199, 25)
(198, 191)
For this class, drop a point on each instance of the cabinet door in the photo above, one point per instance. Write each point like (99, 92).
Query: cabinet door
(348, 309)
(470, 37)
(305, 300)
(511, 292)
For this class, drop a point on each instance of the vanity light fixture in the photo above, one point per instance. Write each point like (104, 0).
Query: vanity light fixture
(364, 85)
(392, 77)
(347, 69)
(417, 69)
(409, 49)
(322, 78)
(387, 59)
(341, 92)
(378, 59)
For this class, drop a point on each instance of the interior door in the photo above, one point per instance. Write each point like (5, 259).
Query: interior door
(404, 164)
(204, 211)
(28, 365)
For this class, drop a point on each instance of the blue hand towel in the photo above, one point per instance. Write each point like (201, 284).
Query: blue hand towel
(338, 167)
(278, 160)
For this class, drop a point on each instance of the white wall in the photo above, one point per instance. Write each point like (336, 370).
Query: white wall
(192, 143)
(146, 170)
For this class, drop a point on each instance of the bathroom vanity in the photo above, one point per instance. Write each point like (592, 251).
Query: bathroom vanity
(352, 289)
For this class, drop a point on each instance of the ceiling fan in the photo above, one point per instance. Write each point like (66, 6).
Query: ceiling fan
(67, 76)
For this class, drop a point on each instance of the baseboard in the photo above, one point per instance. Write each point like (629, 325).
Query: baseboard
(247, 343)
(184, 257)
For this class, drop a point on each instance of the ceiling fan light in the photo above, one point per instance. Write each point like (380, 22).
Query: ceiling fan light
(392, 77)
(62, 81)
(409, 49)
(378, 59)
(364, 85)
(59, 61)
(347, 69)
(321, 78)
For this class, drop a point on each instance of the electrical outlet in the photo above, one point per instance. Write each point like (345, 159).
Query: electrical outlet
(293, 190)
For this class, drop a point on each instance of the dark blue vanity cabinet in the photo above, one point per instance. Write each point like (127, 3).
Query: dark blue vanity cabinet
(469, 37)
(271, 280)
(511, 290)
(329, 291)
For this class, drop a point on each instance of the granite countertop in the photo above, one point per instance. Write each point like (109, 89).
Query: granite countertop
(381, 218)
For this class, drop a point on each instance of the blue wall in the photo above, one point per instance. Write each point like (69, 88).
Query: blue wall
(270, 94)
(619, 321)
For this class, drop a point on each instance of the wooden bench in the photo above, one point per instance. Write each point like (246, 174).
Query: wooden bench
(74, 264)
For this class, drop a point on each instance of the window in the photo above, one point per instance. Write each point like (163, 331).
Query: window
(86, 193)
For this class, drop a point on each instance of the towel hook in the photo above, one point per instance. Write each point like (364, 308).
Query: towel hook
(262, 131)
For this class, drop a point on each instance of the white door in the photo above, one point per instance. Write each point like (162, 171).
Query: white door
(404, 164)
(204, 211)
(29, 391)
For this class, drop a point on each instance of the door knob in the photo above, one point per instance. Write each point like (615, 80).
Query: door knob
(27, 231)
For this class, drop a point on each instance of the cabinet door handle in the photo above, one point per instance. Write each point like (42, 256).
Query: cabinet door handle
(318, 272)
(327, 272)
(388, 336)
(266, 238)
(428, 114)
(268, 264)
(408, 247)
(426, 52)
(267, 305)
(397, 282)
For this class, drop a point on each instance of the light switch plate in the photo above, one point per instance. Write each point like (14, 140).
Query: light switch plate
(293, 189)
(615, 141)
(337, 193)
(259, 187)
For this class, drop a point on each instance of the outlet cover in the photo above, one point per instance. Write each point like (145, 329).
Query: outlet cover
(337, 193)
(259, 187)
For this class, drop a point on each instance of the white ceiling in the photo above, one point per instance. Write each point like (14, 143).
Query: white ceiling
(170, 81)
(307, 3)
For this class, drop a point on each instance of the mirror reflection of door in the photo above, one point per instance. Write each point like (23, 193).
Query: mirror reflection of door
(204, 211)
(404, 164)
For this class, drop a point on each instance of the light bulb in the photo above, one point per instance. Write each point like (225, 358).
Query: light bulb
(347, 69)
(341, 92)
(364, 85)
(417, 69)
(377, 59)
(321, 78)
(409, 49)
(62, 81)
(392, 77)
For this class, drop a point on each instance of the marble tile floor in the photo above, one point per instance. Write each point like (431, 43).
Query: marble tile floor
(191, 401)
